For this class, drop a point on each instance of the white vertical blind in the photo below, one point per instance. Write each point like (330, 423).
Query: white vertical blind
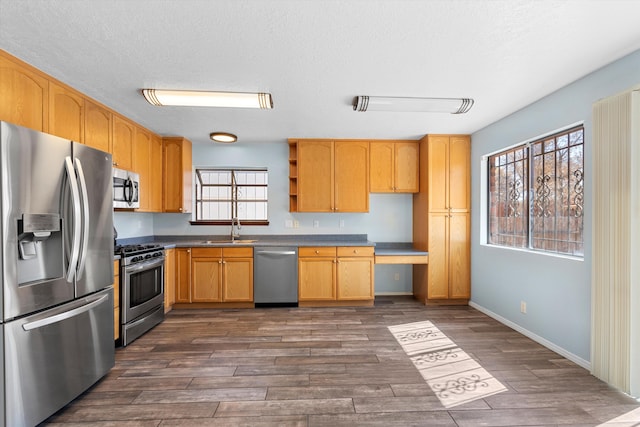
(615, 352)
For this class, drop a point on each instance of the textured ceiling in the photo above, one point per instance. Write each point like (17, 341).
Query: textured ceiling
(315, 55)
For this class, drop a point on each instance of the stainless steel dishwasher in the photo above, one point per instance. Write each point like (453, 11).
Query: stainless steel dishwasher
(275, 276)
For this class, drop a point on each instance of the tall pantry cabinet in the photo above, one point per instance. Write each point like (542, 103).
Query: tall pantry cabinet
(442, 220)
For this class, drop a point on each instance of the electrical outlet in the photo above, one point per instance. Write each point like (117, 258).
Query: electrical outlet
(316, 223)
(342, 223)
(523, 307)
(296, 224)
(288, 223)
(396, 277)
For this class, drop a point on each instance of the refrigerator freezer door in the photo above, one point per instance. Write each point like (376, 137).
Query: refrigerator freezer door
(96, 253)
(34, 260)
(62, 352)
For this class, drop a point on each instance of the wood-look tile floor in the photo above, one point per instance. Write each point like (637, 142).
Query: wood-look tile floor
(331, 367)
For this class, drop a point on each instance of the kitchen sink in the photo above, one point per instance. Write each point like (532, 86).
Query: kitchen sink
(236, 241)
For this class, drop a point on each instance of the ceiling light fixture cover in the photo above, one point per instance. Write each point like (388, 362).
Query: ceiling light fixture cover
(188, 98)
(428, 105)
(223, 137)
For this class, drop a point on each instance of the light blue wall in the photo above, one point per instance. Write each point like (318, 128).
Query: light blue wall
(389, 219)
(557, 290)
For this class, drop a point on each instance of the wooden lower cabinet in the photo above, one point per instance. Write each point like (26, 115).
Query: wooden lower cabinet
(206, 274)
(116, 300)
(183, 275)
(237, 276)
(214, 275)
(316, 275)
(169, 279)
(335, 274)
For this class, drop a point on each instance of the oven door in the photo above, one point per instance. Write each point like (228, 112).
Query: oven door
(142, 288)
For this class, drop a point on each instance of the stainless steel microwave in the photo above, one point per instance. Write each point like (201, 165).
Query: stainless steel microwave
(126, 189)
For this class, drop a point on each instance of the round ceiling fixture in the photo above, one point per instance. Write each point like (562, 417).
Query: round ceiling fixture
(223, 137)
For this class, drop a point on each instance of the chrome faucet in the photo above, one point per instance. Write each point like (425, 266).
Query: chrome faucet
(235, 232)
(235, 219)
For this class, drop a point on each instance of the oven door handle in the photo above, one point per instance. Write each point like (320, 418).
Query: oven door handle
(144, 265)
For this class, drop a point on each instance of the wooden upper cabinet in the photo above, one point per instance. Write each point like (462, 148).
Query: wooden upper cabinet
(381, 167)
(351, 176)
(155, 166)
(141, 165)
(460, 173)
(393, 166)
(438, 173)
(449, 169)
(123, 141)
(97, 126)
(24, 94)
(315, 176)
(66, 113)
(177, 175)
(407, 167)
(332, 176)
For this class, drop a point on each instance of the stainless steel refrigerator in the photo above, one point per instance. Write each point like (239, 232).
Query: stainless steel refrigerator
(56, 299)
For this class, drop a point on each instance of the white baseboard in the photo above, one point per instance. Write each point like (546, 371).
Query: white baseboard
(551, 346)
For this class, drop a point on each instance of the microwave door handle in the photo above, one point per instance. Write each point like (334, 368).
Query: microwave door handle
(85, 218)
(128, 191)
(75, 204)
(136, 191)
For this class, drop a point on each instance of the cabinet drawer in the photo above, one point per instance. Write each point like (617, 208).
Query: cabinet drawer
(350, 251)
(318, 251)
(237, 252)
(206, 252)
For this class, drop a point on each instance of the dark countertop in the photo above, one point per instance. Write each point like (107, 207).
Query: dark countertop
(397, 249)
(301, 240)
(260, 240)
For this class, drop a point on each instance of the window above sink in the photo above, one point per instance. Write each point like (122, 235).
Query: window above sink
(225, 194)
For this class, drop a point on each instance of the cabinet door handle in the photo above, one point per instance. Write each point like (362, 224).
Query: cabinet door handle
(355, 251)
(317, 252)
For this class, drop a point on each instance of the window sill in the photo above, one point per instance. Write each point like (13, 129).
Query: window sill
(228, 222)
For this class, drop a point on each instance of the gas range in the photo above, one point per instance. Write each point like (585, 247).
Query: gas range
(133, 254)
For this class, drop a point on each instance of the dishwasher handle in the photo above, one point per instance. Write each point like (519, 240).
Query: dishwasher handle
(275, 252)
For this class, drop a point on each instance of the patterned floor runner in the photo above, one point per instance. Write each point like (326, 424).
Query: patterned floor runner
(451, 373)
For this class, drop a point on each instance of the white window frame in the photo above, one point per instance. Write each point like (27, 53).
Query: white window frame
(235, 197)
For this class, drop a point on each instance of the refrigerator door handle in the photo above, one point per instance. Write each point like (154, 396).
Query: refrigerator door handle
(75, 202)
(91, 303)
(84, 201)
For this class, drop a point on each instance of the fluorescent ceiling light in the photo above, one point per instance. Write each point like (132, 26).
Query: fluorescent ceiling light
(223, 137)
(186, 98)
(428, 105)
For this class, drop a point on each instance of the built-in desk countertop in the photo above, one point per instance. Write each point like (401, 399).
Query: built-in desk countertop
(399, 253)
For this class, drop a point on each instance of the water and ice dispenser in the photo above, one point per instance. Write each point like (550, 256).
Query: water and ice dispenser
(40, 248)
